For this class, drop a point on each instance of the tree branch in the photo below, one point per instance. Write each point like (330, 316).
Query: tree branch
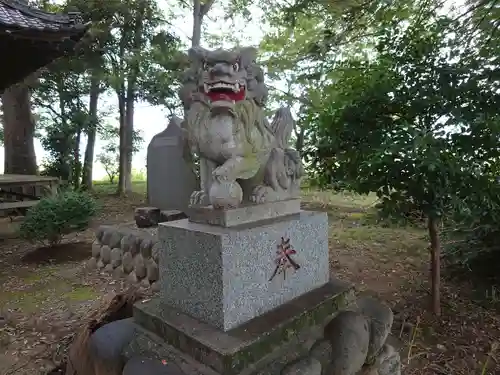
(205, 8)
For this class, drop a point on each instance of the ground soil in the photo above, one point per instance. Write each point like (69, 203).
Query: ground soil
(47, 293)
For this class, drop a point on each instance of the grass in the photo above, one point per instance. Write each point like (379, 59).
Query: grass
(389, 260)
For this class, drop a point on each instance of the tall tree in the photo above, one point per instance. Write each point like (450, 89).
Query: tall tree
(416, 122)
(19, 130)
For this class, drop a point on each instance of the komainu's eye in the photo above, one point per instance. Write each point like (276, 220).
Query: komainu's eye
(205, 65)
(236, 67)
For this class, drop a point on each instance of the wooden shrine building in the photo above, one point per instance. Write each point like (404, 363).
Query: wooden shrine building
(31, 39)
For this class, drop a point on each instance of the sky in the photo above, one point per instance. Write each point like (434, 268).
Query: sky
(149, 119)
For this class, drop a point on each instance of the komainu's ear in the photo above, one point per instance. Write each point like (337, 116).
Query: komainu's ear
(197, 54)
(248, 55)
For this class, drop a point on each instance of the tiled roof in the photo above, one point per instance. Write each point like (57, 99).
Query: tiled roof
(16, 14)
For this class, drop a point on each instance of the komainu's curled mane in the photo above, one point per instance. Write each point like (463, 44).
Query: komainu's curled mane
(242, 156)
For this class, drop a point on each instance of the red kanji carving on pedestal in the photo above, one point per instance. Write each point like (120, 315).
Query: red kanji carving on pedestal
(284, 260)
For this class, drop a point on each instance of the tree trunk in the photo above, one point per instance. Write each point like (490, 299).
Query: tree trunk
(19, 131)
(199, 11)
(432, 225)
(122, 165)
(77, 169)
(88, 163)
(129, 147)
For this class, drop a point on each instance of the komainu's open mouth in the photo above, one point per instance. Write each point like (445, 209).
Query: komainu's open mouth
(224, 91)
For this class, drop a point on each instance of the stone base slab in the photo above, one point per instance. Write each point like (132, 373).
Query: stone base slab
(227, 276)
(246, 214)
(263, 345)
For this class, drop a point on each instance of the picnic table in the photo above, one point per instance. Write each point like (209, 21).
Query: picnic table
(20, 192)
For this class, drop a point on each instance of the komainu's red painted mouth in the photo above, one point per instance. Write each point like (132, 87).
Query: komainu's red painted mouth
(223, 91)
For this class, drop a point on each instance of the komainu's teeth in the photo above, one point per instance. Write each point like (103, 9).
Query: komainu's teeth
(236, 87)
(206, 88)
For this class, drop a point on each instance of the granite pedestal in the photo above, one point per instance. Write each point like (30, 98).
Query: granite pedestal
(224, 276)
(224, 310)
(263, 345)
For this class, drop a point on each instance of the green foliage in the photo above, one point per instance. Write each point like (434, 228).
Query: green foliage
(53, 217)
(417, 124)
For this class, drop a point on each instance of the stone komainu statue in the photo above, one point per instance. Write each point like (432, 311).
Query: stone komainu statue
(242, 157)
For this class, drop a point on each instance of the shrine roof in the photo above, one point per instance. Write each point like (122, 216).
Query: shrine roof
(18, 15)
(31, 39)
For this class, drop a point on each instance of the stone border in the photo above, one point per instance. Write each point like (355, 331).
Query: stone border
(127, 252)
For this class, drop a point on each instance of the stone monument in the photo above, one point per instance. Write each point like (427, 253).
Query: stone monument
(244, 280)
(170, 178)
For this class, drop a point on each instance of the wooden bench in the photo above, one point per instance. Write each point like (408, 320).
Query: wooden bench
(16, 205)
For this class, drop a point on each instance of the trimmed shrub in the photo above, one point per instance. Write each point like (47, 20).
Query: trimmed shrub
(53, 217)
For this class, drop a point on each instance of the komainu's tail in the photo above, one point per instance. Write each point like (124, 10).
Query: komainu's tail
(282, 126)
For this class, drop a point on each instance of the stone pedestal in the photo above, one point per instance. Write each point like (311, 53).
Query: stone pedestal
(264, 345)
(224, 276)
(239, 295)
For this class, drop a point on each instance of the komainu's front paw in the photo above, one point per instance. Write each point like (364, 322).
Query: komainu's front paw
(262, 194)
(198, 198)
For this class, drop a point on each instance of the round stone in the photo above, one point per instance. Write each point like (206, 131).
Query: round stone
(108, 342)
(140, 266)
(146, 245)
(96, 249)
(127, 262)
(105, 254)
(116, 257)
(153, 273)
(225, 194)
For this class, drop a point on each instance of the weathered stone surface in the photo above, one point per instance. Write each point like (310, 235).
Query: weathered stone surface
(155, 251)
(115, 239)
(127, 262)
(146, 245)
(349, 336)
(105, 254)
(171, 215)
(99, 233)
(92, 263)
(171, 179)
(139, 266)
(155, 287)
(100, 264)
(381, 317)
(106, 237)
(270, 171)
(389, 361)
(118, 272)
(132, 277)
(322, 351)
(116, 257)
(126, 242)
(145, 283)
(222, 275)
(96, 249)
(231, 352)
(246, 214)
(305, 366)
(152, 271)
(108, 342)
(146, 366)
(135, 245)
(109, 268)
(146, 217)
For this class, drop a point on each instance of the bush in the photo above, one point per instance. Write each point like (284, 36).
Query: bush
(53, 217)
(471, 246)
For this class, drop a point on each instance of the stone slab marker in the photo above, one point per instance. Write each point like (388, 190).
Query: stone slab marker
(170, 178)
